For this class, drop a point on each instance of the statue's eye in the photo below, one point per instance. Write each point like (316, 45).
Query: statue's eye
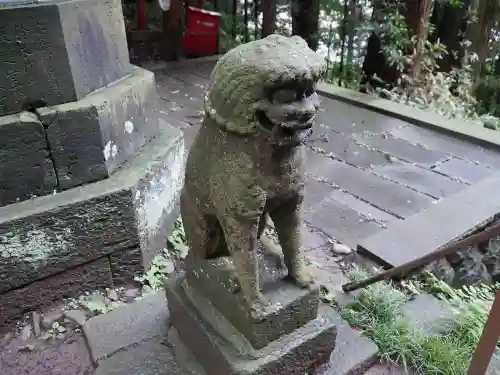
(284, 96)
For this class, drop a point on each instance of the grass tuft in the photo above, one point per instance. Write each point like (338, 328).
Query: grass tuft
(378, 312)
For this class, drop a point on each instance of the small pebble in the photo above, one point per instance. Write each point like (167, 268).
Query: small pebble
(340, 248)
(26, 332)
(113, 295)
(49, 319)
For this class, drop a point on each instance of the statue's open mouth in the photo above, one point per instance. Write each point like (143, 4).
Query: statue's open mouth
(290, 134)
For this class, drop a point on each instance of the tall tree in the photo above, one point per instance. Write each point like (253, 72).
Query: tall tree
(481, 31)
(450, 20)
(305, 21)
(268, 8)
(375, 62)
(418, 14)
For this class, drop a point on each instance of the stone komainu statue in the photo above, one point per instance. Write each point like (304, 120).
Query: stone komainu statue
(248, 161)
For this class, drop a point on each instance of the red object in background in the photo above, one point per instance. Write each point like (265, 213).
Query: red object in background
(202, 32)
(142, 18)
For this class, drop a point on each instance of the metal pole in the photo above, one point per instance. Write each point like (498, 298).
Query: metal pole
(485, 235)
(488, 341)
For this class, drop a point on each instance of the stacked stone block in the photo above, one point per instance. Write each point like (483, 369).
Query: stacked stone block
(89, 174)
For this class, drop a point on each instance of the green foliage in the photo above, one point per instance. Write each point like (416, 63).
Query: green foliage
(377, 312)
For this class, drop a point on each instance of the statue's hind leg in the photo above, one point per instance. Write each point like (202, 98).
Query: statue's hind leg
(270, 247)
(195, 227)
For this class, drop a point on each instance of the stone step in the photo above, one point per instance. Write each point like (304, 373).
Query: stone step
(424, 232)
(128, 325)
(427, 314)
(353, 353)
(120, 341)
(123, 221)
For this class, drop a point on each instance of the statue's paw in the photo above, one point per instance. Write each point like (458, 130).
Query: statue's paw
(280, 264)
(260, 308)
(303, 278)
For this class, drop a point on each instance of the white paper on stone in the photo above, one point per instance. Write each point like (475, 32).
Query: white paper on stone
(164, 4)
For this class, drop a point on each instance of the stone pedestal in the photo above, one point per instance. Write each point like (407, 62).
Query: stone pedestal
(89, 174)
(213, 325)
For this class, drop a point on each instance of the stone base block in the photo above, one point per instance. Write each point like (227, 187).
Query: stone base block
(126, 217)
(213, 279)
(59, 51)
(74, 282)
(300, 352)
(90, 138)
(26, 168)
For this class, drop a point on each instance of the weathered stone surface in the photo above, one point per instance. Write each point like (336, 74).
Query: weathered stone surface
(71, 283)
(385, 195)
(420, 179)
(366, 210)
(427, 314)
(491, 258)
(344, 148)
(293, 306)
(302, 351)
(424, 232)
(126, 265)
(340, 222)
(82, 41)
(469, 268)
(90, 138)
(247, 161)
(315, 192)
(464, 170)
(313, 238)
(149, 358)
(26, 169)
(402, 149)
(350, 119)
(68, 358)
(132, 209)
(449, 144)
(387, 369)
(353, 353)
(130, 324)
(183, 357)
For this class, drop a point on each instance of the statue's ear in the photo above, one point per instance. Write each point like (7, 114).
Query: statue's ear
(240, 125)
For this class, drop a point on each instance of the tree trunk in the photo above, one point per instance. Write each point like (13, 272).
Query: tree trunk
(450, 25)
(245, 12)
(256, 13)
(305, 21)
(481, 32)
(268, 17)
(173, 30)
(375, 63)
(354, 18)
(418, 14)
(235, 15)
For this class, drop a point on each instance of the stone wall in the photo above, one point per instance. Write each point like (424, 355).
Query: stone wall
(477, 264)
(89, 174)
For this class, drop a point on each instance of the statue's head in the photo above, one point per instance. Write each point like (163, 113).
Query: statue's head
(267, 86)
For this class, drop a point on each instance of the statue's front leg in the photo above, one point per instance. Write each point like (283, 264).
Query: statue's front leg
(286, 218)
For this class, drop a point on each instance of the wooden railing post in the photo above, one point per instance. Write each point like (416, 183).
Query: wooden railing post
(488, 341)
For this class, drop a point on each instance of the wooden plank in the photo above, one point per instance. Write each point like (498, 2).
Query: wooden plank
(446, 221)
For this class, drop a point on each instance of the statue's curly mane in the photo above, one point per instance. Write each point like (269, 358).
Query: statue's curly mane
(240, 79)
